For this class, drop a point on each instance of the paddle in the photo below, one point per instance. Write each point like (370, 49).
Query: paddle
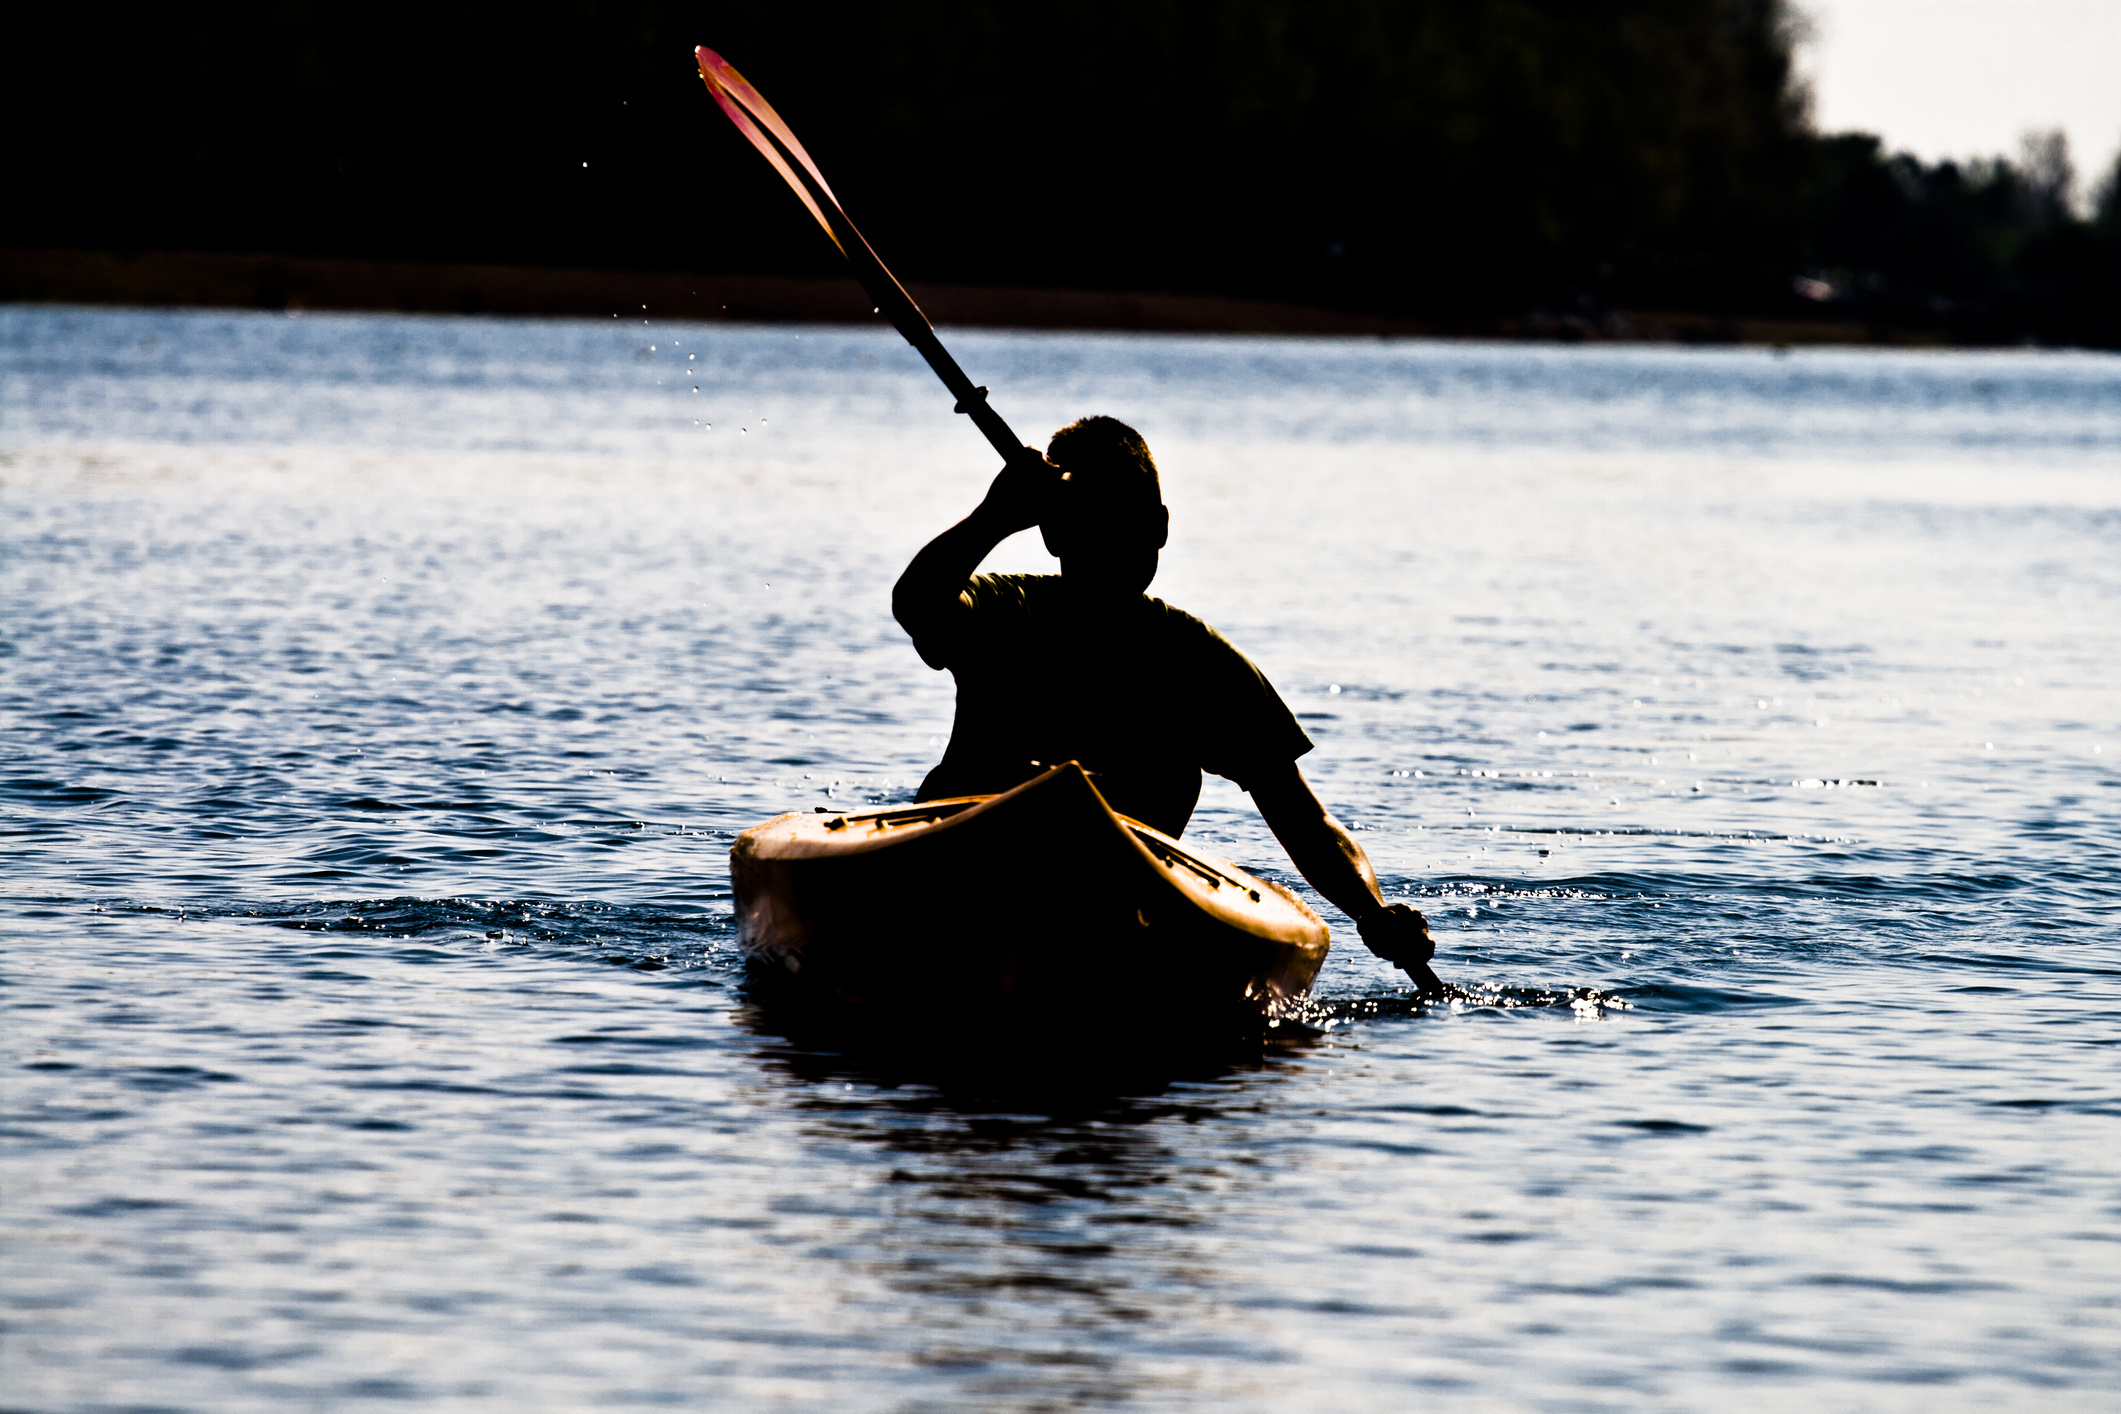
(755, 119)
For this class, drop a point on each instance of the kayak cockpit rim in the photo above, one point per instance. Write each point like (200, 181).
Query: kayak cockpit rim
(815, 834)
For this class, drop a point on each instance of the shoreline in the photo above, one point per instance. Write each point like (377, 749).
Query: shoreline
(190, 279)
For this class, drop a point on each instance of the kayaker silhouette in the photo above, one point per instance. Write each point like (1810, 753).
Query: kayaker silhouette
(1084, 666)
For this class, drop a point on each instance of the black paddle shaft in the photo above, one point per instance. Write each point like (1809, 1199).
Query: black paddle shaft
(896, 305)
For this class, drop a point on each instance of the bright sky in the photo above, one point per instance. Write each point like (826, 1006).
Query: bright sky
(1966, 78)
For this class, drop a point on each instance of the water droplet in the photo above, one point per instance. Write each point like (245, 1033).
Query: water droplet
(1333, 687)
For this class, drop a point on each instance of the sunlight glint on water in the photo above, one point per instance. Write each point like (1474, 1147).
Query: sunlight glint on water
(382, 695)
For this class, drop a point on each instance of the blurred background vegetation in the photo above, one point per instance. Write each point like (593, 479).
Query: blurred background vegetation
(1464, 162)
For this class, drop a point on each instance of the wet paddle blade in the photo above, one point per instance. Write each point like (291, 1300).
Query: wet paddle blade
(749, 110)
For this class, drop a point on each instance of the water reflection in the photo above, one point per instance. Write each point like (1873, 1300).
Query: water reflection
(1052, 1218)
(975, 1066)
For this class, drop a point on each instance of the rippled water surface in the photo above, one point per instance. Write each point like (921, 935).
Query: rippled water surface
(381, 696)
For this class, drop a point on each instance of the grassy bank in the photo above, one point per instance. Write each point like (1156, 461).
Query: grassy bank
(195, 279)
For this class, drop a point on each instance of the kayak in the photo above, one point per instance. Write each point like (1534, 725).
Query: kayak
(1038, 902)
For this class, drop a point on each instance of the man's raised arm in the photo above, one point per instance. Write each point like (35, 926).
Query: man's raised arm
(930, 595)
(1328, 856)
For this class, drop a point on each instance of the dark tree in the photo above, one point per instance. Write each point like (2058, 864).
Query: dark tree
(1457, 159)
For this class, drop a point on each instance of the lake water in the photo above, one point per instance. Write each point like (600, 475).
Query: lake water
(382, 694)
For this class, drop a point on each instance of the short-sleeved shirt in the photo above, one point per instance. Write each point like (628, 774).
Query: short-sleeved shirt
(1145, 696)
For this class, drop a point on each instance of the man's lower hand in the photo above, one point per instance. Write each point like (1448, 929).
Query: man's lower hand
(1400, 935)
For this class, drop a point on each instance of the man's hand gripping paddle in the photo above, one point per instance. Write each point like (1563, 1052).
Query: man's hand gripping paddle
(1400, 935)
(755, 119)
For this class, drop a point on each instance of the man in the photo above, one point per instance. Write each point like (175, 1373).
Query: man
(1084, 666)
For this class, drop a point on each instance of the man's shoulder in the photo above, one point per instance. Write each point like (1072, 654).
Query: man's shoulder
(1000, 599)
(1244, 726)
(1186, 628)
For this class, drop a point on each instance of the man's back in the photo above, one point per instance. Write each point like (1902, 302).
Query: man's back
(1144, 695)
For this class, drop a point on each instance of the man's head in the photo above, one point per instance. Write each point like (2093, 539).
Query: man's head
(1107, 519)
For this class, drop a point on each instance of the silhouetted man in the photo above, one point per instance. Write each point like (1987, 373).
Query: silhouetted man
(1084, 666)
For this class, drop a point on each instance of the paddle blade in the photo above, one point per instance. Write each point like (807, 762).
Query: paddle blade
(749, 110)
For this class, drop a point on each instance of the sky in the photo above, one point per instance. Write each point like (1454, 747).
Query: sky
(1967, 78)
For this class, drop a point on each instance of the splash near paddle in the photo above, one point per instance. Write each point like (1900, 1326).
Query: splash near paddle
(762, 127)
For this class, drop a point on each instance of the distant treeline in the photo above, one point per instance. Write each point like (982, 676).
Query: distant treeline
(1458, 160)
(1983, 252)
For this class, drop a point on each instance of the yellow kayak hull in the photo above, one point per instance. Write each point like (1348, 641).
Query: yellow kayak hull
(1038, 900)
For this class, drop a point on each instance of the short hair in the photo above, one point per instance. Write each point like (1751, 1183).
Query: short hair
(1105, 468)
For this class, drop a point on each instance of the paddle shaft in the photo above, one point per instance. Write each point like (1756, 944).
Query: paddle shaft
(896, 305)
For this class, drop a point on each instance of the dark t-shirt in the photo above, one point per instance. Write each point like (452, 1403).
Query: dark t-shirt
(1145, 696)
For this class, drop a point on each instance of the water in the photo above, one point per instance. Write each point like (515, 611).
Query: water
(382, 695)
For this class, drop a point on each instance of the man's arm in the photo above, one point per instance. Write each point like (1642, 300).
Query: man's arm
(1328, 856)
(930, 595)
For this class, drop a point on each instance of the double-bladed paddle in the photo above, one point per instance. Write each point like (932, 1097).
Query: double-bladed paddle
(755, 119)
